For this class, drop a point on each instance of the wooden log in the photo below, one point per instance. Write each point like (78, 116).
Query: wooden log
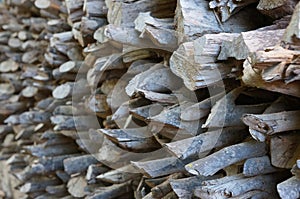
(164, 188)
(227, 8)
(276, 9)
(184, 187)
(203, 108)
(202, 144)
(292, 32)
(282, 103)
(258, 166)
(43, 166)
(111, 192)
(220, 117)
(145, 18)
(8, 66)
(38, 184)
(95, 8)
(237, 186)
(274, 122)
(139, 139)
(145, 112)
(195, 19)
(160, 167)
(121, 13)
(58, 190)
(170, 117)
(78, 164)
(40, 150)
(76, 186)
(93, 171)
(249, 42)
(285, 149)
(120, 175)
(252, 77)
(119, 35)
(227, 156)
(195, 62)
(289, 189)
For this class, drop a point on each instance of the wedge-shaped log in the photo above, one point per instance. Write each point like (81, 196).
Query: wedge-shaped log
(237, 186)
(258, 166)
(289, 189)
(202, 144)
(225, 157)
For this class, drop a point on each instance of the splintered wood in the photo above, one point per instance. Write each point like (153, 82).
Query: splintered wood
(105, 99)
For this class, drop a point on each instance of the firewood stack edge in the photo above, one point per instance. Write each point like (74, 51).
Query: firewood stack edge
(149, 99)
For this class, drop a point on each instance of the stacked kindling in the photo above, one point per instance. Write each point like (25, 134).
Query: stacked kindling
(149, 99)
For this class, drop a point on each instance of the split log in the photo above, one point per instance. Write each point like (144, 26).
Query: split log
(160, 167)
(163, 189)
(239, 186)
(76, 186)
(274, 122)
(195, 19)
(227, 8)
(220, 115)
(249, 42)
(202, 144)
(184, 187)
(285, 149)
(139, 139)
(252, 77)
(78, 164)
(38, 184)
(111, 192)
(258, 166)
(276, 9)
(289, 189)
(227, 156)
(120, 175)
(123, 14)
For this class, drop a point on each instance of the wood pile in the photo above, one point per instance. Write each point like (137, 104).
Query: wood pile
(104, 99)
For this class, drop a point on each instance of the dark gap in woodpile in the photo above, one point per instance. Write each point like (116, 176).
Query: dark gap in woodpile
(104, 99)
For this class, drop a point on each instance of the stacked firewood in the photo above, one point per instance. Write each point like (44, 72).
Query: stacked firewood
(149, 99)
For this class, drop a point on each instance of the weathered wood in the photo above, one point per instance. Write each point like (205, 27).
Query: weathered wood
(93, 171)
(290, 188)
(237, 186)
(164, 188)
(252, 77)
(120, 175)
(292, 31)
(123, 14)
(285, 149)
(274, 122)
(226, 8)
(227, 156)
(38, 184)
(258, 166)
(76, 186)
(220, 115)
(78, 164)
(241, 46)
(145, 18)
(202, 144)
(275, 8)
(139, 139)
(195, 62)
(184, 187)
(111, 192)
(160, 167)
(195, 19)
